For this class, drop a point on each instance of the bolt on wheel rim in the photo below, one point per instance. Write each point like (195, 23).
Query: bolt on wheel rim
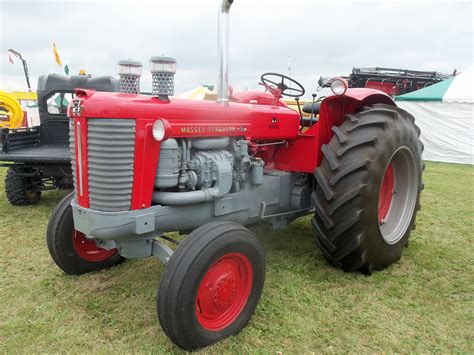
(88, 249)
(397, 195)
(223, 292)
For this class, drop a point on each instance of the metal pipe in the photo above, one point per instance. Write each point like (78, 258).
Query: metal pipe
(210, 143)
(223, 52)
(185, 198)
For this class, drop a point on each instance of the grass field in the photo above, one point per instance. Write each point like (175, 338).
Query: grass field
(424, 303)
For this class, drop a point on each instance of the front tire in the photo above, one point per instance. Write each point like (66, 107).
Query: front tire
(211, 285)
(368, 189)
(69, 248)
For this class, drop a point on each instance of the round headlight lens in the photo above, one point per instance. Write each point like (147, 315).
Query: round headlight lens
(339, 86)
(159, 130)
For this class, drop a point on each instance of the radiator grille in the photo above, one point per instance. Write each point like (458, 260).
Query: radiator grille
(111, 148)
(72, 150)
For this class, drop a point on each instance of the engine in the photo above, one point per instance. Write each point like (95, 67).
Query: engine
(203, 169)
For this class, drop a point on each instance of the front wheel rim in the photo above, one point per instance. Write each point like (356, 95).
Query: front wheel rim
(397, 195)
(224, 291)
(88, 249)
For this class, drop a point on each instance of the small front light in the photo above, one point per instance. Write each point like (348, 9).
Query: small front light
(161, 130)
(339, 86)
(158, 130)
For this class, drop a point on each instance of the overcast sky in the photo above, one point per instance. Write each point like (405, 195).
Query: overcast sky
(321, 37)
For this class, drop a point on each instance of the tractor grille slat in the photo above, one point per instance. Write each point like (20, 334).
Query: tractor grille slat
(107, 136)
(111, 150)
(119, 173)
(105, 180)
(111, 155)
(101, 188)
(106, 169)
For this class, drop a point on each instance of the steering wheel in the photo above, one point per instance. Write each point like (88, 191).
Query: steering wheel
(275, 83)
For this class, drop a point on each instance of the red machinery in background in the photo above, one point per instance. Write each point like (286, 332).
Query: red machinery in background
(391, 81)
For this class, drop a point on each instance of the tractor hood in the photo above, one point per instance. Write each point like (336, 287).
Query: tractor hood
(191, 118)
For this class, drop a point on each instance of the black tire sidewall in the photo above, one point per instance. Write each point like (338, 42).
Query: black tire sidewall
(185, 330)
(60, 242)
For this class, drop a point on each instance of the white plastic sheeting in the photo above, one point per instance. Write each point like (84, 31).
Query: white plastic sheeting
(461, 89)
(447, 129)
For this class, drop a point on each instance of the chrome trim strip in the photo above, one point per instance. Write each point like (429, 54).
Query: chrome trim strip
(79, 157)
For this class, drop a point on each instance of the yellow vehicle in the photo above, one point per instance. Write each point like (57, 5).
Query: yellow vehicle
(11, 113)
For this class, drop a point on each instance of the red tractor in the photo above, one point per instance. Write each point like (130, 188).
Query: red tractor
(147, 165)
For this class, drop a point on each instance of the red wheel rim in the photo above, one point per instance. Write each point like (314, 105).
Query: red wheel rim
(386, 193)
(88, 249)
(224, 291)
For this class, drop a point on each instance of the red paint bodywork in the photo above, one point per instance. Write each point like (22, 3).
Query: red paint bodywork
(386, 193)
(261, 122)
(304, 153)
(388, 87)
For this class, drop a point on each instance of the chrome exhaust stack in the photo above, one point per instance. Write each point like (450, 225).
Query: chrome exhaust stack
(223, 52)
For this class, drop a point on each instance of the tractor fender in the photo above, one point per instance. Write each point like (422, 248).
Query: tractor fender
(334, 108)
(369, 96)
(304, 153)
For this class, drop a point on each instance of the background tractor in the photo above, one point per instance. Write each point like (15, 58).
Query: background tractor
(144, 166)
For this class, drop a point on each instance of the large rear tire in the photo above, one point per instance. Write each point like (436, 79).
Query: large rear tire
(368, 189)
(70, 249)
(22, 190)
(211, 285)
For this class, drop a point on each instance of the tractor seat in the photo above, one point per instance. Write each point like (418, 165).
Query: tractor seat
(307, 107)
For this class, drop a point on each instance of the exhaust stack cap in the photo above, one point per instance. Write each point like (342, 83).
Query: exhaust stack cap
(129, 72)
(163, 70)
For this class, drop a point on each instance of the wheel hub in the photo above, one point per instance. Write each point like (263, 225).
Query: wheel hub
(224, 291)
(88, 249)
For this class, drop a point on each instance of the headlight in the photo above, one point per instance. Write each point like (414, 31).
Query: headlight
(161, 130)
(339, 86)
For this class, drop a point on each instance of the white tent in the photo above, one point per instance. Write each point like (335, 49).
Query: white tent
(444, 113)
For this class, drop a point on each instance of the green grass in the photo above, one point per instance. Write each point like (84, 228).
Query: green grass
(423, 303)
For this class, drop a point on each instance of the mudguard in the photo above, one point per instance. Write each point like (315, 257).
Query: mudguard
(304, 153)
